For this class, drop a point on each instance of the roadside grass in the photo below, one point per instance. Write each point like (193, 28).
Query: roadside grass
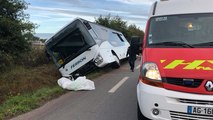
(22, 103)
(25, 80)
(98, 72)
(24, 88)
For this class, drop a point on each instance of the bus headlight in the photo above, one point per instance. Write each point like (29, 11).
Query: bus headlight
(150, 71)
(98, 60)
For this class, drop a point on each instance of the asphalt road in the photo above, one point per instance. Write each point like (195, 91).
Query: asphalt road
(113, 99)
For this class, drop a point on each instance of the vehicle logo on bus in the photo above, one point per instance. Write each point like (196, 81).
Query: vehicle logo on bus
(209, 86)
(193, 65)
(78, 62)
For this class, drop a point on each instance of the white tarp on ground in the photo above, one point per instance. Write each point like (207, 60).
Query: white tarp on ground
(81, 83)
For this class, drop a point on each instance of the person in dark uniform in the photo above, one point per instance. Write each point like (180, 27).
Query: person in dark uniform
(132, 57)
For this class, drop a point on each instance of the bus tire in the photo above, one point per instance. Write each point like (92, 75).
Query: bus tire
(140, 115)
(116, 64)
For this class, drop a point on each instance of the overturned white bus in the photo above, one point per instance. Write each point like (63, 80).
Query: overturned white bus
(81, 45)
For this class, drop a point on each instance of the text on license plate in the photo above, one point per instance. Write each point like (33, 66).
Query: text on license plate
(200, 110)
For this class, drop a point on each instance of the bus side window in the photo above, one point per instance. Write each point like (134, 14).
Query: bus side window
(115, 39)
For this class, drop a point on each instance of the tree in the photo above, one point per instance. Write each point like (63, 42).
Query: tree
(135, 31)
(105, 21)
(118, 24)
(15, 30)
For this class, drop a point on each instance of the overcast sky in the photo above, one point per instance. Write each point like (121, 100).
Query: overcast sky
(52, 15)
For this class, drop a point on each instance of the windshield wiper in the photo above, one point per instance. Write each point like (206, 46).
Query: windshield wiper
(204, 44)
(175, 43)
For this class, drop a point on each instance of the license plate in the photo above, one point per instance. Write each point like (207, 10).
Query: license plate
(200, 110)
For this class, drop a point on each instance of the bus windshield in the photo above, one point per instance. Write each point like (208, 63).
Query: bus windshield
(188, 30)
(70, 47)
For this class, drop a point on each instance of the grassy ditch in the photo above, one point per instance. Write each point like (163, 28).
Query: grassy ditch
(25, 88)
(27, 83)
(25, 102)
(26, 80)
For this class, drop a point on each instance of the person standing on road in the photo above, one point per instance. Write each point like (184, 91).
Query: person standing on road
(132, 57)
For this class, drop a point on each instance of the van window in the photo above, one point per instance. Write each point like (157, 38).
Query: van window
(192, 30)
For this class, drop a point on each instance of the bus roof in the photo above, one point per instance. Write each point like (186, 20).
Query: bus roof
(83, 20)
(172, 7)
(69, 26)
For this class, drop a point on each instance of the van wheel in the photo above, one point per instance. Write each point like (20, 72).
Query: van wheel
(140, 115)
(116, 64)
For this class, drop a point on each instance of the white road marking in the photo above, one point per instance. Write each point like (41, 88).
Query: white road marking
(118, 85)
(138, 66)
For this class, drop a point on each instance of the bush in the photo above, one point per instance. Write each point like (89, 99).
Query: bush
(21, 80)
(15, 28)
(6, 61)
(27, 73)
(33, 58)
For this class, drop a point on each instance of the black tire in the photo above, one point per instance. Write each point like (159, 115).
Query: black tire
(116, 64)
(140, 115)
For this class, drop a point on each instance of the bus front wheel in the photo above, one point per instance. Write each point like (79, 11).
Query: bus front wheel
(116, 64)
